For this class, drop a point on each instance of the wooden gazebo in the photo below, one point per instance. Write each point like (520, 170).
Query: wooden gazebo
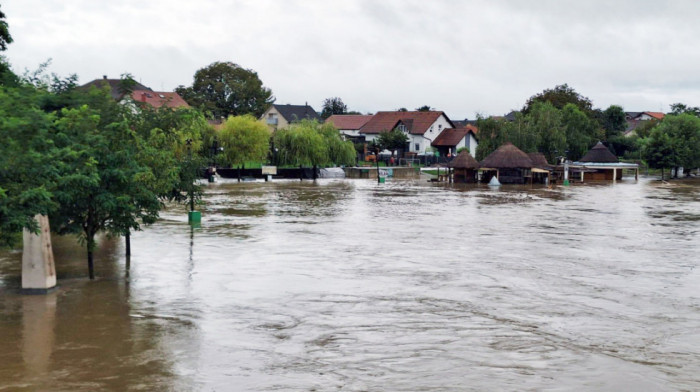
(465, 168)
(601, 164)
(541, 169)
(509, 164)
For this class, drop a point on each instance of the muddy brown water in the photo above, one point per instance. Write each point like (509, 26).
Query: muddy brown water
(353, 286)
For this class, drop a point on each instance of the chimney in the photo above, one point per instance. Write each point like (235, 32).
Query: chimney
(104, 77)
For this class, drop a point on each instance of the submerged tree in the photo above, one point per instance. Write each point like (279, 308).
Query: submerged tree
(244, 139)
(313, 144)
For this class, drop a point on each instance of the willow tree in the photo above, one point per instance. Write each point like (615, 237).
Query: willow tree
(244, 139)
(309, 143)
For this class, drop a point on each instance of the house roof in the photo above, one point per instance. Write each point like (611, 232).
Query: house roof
(294, 113)
(507, 157)
(159, 99)
(464, 161)
(114, 85)
(656, 115)
(450, 137)
(417, 122)
(599, 154)
(538, 160)
(348, 121)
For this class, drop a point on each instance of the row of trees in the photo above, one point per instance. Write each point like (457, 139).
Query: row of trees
(545, 128)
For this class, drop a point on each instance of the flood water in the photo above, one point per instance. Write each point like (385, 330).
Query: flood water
(347, 285)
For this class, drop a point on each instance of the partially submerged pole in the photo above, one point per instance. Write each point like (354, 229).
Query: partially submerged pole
(38, 270)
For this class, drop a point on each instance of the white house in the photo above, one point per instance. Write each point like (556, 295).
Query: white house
(421, 127)
(452, 139)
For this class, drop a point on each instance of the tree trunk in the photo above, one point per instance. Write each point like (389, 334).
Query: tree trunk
(239, 173)
(301, 174)
(127, 239)
(314, 173)
(91, 265)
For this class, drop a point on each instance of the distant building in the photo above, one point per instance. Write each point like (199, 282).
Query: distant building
(115, 85)
(139, 93)
(421, 128)
(452, 139)
(159, 99)
(349, 125)
(635, 119)
(280, 116)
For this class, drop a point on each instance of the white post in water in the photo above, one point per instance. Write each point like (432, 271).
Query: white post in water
(38, 270)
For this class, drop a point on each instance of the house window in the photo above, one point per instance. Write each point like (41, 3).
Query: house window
(417, 146)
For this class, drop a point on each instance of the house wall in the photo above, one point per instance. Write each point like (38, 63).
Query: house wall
(281, 122)
(427, 138)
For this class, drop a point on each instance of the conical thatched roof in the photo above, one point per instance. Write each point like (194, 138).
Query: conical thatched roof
(538, 160)
(507, 157)
(599, 154)
(464, 161)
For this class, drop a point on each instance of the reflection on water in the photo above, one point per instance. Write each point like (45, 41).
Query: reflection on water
(351, 285)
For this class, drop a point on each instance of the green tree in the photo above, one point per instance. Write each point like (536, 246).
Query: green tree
(684, 133)
(580, 131)
(27, 164)
(559, 96)
(681, 108)
(5, 37)
(312, 144)
(102, 183)
(546, 122)
(659, 151)
(614, 121)
(244, 139)
(333, 106)
(392, 140)
(226, 89)
(491, 136)
(424, 108)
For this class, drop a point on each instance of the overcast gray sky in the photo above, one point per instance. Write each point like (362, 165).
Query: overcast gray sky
(462, 57)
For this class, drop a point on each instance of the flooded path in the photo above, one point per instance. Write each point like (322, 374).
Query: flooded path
(352, 286)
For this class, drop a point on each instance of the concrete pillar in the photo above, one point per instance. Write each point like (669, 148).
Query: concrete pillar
(38, 270)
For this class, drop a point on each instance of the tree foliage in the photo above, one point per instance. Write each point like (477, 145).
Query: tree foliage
(27, 165)
(311, 143)
(333, 106)
(5, 37)
(674, 143)
(244, 139)
(226, 89)
(681, 108)
(392, 140)
(424, 108)
(614, 122)
(559, 96)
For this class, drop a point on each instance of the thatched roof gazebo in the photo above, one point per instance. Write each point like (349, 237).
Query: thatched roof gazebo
(465, 167)
(512, 165)
(599, 154)
(599, 164)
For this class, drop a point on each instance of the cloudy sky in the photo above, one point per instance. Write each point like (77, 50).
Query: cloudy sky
(462, 57)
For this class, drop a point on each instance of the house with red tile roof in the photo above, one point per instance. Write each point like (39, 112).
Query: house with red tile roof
(635, 119)
(349, 125)
(452, 139)
(158, 99)
(421, 128)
